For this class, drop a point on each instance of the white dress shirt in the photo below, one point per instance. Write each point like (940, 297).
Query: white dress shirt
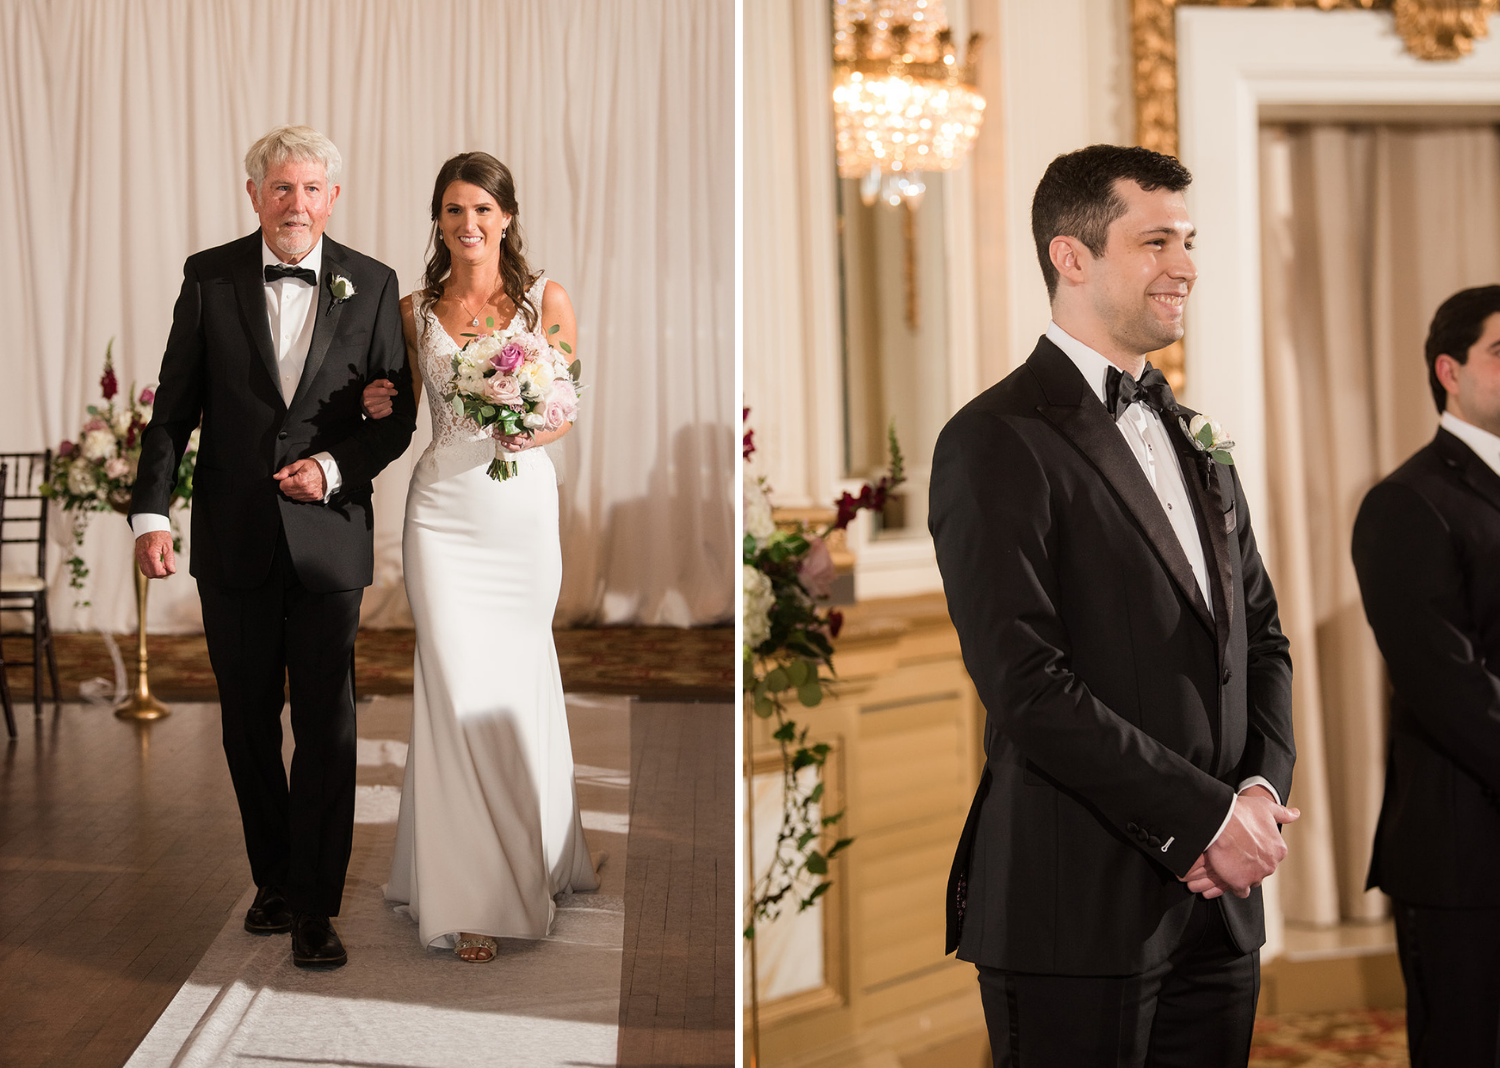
(290, 309)
(1485, 445)
(1146, 436)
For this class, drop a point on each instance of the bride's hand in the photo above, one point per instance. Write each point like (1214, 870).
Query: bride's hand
(377, 398)
(513, 442)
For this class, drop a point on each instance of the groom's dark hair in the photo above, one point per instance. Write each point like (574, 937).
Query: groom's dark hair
(1077, 196)
(1455, 327)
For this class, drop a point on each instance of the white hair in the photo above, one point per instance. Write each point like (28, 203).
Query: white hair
(292, 142)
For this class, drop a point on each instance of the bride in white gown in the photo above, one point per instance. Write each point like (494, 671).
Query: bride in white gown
(489, 829)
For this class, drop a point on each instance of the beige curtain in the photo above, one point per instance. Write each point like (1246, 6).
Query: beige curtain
(124, 123)
(1366, 230)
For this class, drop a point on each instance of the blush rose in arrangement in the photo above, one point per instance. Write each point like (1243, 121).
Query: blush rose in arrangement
(511, 381)
(97, 472)
(786, 575)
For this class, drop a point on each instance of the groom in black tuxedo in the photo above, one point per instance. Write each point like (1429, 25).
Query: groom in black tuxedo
(1122, 633)
(1427, 553)
(273, 338)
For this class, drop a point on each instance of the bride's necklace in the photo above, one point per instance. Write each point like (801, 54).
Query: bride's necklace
(474, 320)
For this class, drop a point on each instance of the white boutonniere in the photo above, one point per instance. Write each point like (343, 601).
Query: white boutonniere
(1208, 437)
(342, 288)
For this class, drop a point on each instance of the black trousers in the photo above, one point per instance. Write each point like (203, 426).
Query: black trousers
(263, 642)
(1195, 1010)
(1450, 959)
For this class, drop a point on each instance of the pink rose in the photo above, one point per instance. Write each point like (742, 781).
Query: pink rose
(148, 397)
(817, 571)
(503, 389)
(509, 358)
(95, 424)
(65, 449)
(558, 411)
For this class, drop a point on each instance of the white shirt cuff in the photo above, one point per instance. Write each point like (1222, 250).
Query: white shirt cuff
(146, 522)
(1254, 780)
(331, 474)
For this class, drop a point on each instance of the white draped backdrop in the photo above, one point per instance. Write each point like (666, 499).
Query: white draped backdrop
(124, 124)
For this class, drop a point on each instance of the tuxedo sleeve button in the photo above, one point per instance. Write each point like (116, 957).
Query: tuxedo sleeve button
(1132, 828)
(1154, 842)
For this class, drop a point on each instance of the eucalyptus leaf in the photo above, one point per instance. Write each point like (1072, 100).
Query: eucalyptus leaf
(796, 671)
(777, 680)
(565, 347)
(763, 707)
(489, 321)
(811, 694)
(554, 328)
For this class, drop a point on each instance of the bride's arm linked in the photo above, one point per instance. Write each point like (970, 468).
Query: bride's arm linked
(557, 310)
(378, 394)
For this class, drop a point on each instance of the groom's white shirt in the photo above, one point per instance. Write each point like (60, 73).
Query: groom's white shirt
(1146, 436)
(289, 308)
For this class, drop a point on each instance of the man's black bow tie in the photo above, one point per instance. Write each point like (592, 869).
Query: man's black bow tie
(1121, 390)
(275, 271)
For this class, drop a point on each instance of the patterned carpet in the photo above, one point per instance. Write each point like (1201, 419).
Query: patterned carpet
(657, 663)
(1367, 1038)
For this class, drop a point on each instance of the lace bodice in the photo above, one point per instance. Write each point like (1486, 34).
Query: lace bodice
(457, 444)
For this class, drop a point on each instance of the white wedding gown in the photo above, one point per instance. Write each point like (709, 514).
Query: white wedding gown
(489, 828)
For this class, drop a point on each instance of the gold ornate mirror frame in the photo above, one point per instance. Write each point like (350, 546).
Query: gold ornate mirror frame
(1432, 29)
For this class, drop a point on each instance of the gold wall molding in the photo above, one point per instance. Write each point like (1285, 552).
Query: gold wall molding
(1431, 29)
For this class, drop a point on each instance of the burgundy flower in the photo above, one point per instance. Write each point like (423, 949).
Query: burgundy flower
(835, 622)
(65, 448)
(747, 444)
(148, 397)
(108, 385)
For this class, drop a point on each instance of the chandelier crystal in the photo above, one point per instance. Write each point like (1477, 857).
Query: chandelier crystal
(902, 101)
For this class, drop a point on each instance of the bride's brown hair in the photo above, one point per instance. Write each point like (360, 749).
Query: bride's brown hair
(489, 174)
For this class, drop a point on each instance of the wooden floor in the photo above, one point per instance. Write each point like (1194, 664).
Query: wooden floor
(681, 944)
(121, 856)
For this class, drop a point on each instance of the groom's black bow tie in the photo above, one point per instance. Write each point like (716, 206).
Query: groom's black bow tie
(276, 271)
(1121, 390)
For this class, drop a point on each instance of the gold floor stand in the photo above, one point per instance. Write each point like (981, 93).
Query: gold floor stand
(140, 704)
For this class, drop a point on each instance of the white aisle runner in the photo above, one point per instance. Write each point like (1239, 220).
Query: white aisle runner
(396, 1004)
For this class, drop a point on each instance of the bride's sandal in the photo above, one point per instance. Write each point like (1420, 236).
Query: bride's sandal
(482, 949)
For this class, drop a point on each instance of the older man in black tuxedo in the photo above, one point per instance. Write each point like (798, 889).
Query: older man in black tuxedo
(1122, 633)
(1427, 552)
(273, 338)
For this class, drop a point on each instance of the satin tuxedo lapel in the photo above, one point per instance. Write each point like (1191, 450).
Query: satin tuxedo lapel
(1204, 486)
(1078, 415)
(1477, 474)
(249, 288)
(327, 322)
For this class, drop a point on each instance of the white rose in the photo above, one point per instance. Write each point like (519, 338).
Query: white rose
(122, 422)
(81, 480)
(759, 600)
(98, 445)
(534, 421)
(759, 523)
(116, 467)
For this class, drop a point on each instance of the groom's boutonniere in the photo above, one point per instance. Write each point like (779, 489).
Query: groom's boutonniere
(1208, 437)
(342, 288)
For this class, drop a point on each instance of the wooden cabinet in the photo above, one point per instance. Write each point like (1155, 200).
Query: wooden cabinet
(905, 725)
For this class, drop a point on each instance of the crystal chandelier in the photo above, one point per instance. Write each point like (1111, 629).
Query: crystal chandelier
(902, 101)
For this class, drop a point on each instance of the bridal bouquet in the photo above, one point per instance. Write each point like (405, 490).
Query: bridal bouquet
(514, 381)
(97, 472)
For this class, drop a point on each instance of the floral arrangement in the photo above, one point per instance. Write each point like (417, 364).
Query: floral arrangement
(515, 382)
(785, 573)
(97, 472)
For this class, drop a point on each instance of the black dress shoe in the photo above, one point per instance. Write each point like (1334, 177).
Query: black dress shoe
(315, 944)
(269, 914)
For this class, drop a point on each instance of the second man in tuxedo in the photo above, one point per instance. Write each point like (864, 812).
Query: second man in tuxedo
(1427, 553)
(1122, 633)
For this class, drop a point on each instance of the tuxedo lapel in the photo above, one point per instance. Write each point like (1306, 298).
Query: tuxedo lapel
(249, 289)
(1078, 415)
(328, 315)
(1477, 474)
(1204, 479)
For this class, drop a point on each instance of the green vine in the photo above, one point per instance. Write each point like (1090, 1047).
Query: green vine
(788, 646)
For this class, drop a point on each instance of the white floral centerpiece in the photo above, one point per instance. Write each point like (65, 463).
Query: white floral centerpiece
(97, 472)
